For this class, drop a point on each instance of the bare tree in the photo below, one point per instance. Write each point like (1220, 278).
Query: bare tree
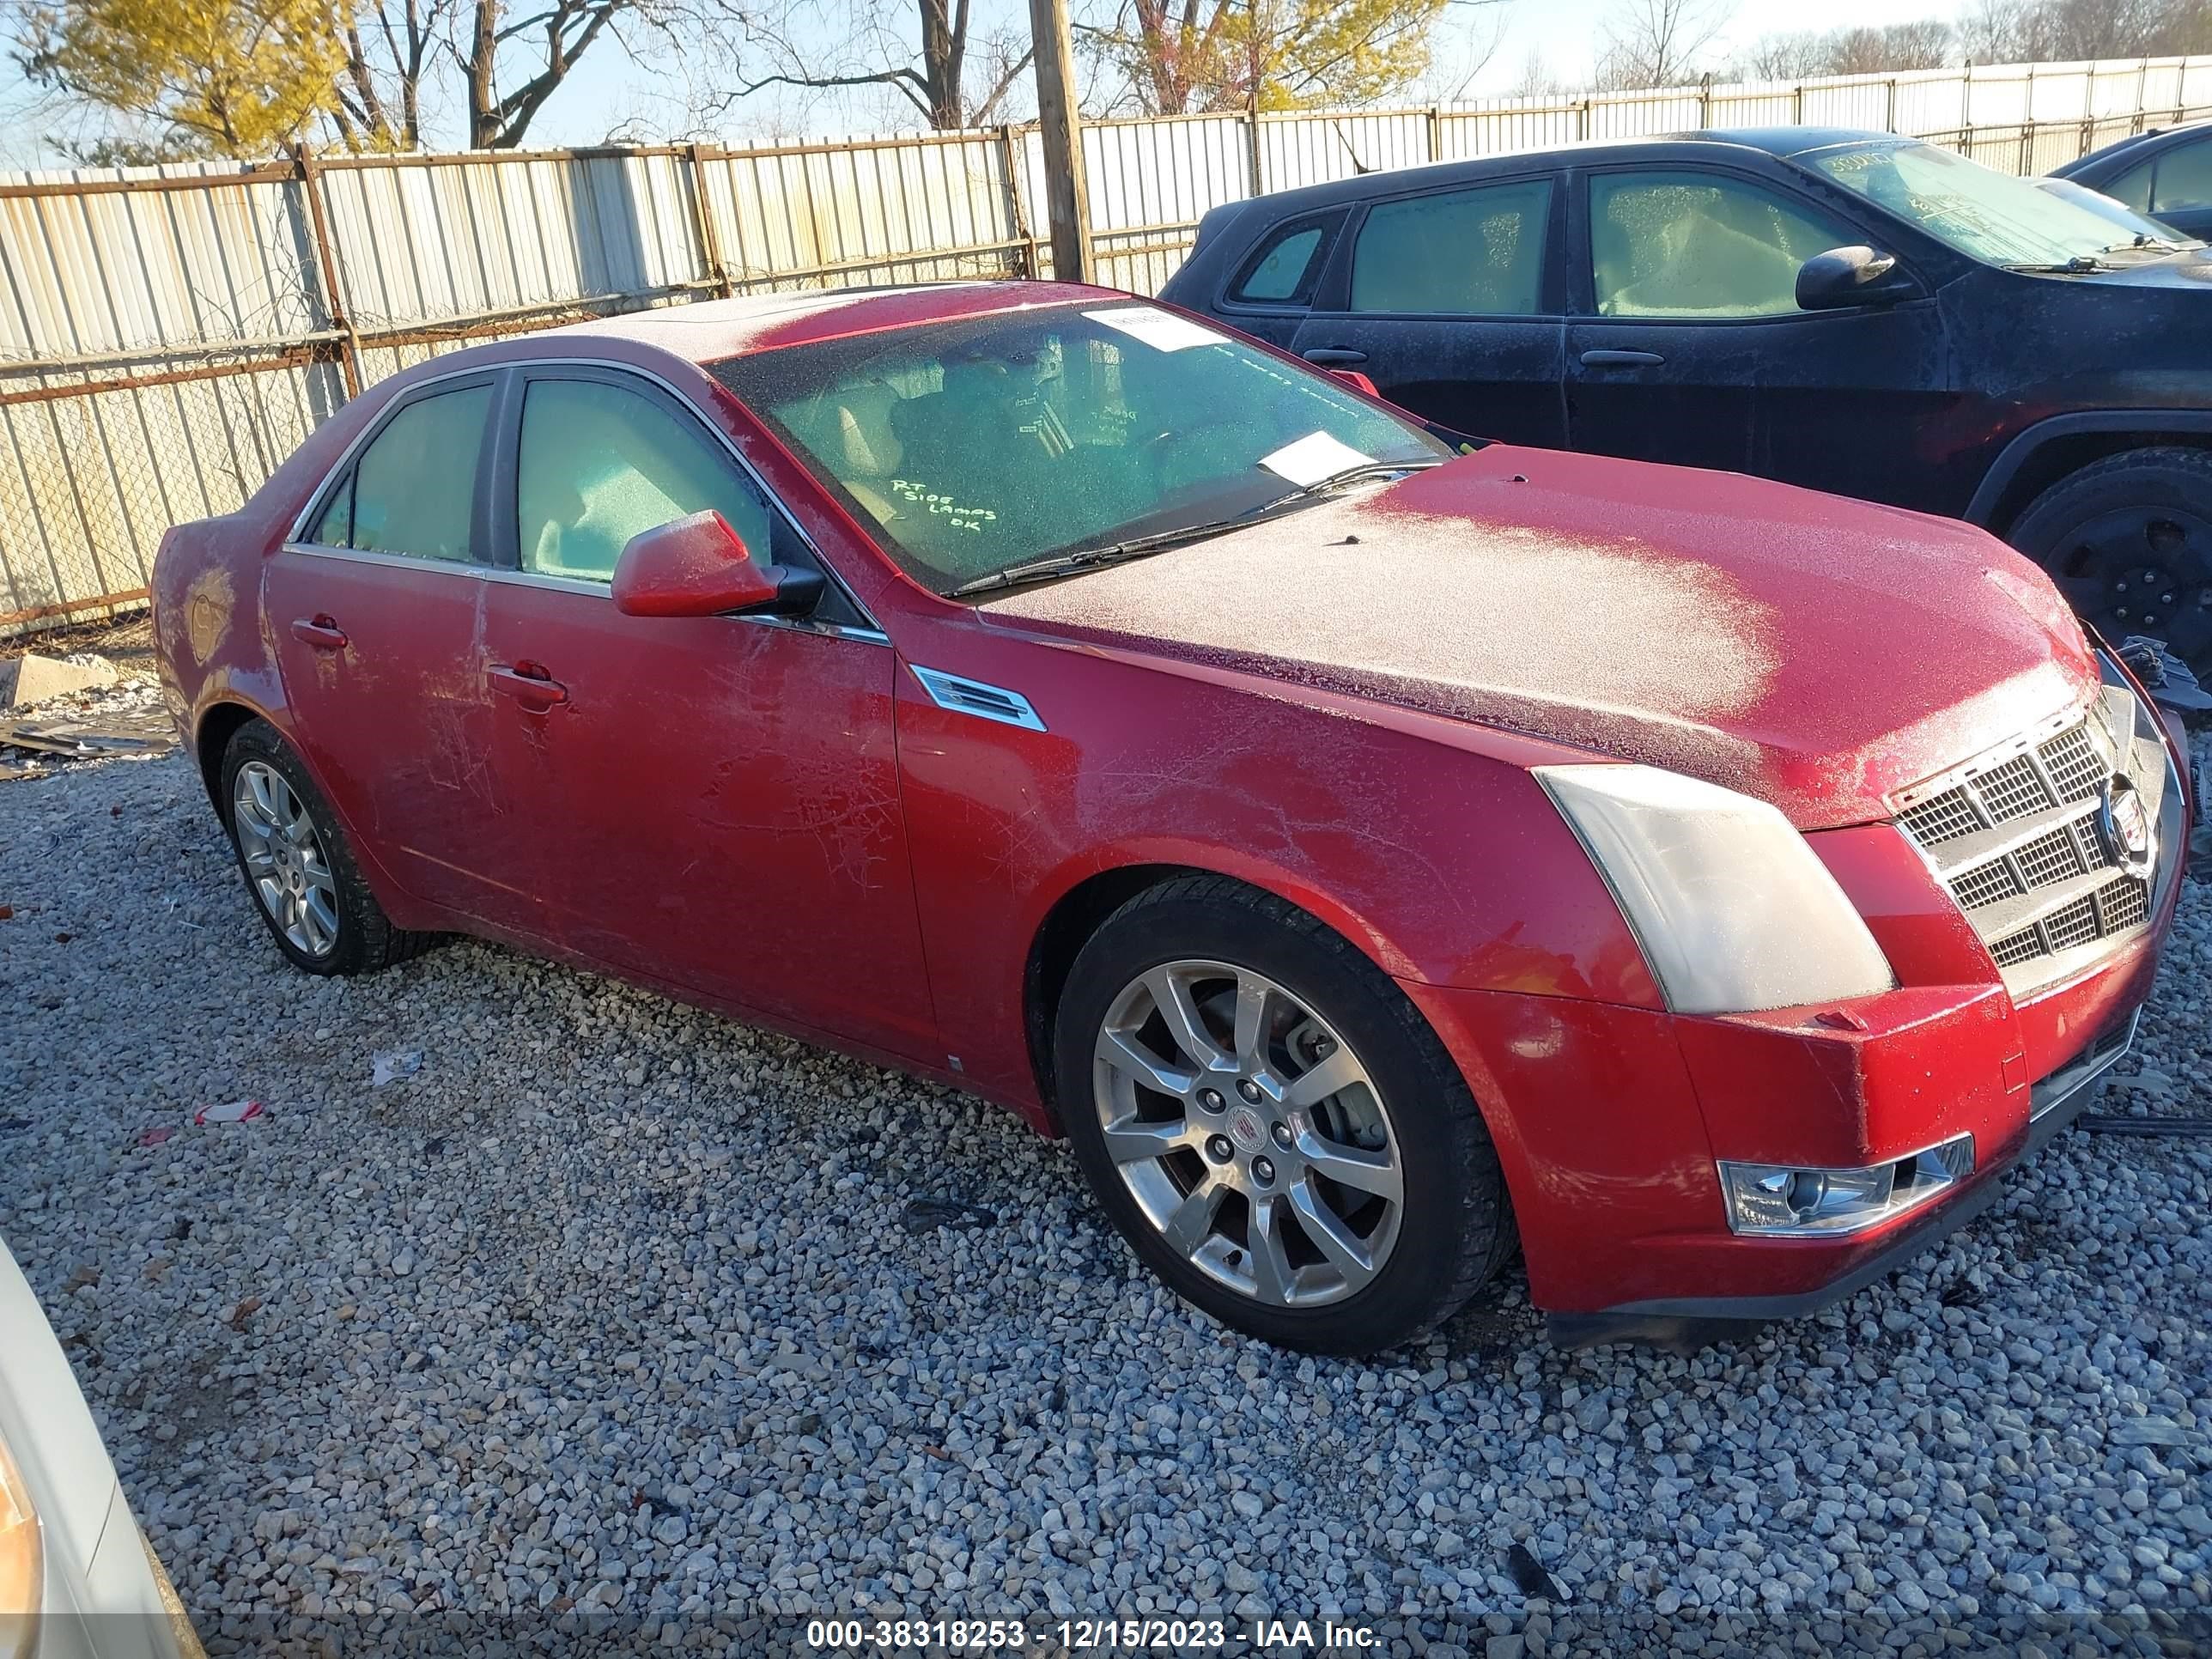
(2066, 31)
(1656, 43)
(1795, 57)
(919, 48)
(1927, 43)
(1537, 78)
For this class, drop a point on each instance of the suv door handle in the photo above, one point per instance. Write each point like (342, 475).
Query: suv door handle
(1328, 356)
(1621, 359)
(321, 631)
(529, 685)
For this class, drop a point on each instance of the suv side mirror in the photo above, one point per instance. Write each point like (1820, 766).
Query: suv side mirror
(1856, 276)
(700, 567)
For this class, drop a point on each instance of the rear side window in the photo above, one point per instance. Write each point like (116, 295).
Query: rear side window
(413, 490)
(1287, 265)
(1462, 253)
(1698, 245)
(600, 463)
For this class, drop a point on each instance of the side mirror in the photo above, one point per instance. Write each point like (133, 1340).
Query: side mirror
(1856, 276)
(699, 567)
(1354, 377)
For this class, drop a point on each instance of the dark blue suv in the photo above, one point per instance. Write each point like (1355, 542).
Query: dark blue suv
(1850, 311)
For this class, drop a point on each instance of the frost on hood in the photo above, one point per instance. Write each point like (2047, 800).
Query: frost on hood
(1576, 639)
(1817, 653)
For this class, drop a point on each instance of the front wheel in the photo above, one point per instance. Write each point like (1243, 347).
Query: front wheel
(2128, 541)
(1271, 1124)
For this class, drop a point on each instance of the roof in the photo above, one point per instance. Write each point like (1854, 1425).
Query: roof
(710, 329)
(1781, 142)
(2103, 163)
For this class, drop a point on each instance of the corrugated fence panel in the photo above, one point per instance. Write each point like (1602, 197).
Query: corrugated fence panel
(162, 348)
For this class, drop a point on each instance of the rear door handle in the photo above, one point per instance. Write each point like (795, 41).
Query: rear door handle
(1328, 356)
(1621, 359)
(529, 685)
(321, 631)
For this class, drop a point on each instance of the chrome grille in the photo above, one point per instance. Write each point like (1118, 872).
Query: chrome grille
(1946, 817)
(2050, 858)
(2012, 791)
(2015, 840)
(1984, 884)
(2122, 904)
(2076, 925)
(2077, 770)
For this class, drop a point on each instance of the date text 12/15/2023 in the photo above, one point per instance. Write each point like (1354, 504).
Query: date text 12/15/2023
(1084, 1636)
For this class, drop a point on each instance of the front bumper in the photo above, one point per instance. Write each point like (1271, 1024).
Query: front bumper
(1610, 1120)
(1688, 1323)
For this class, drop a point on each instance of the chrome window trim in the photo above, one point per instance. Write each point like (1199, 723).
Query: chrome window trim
(296, 539)
(485, 573)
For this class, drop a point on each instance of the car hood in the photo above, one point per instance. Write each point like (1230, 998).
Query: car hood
(1817, 653)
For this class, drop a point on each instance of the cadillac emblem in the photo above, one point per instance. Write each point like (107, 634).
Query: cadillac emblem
(2125, 823)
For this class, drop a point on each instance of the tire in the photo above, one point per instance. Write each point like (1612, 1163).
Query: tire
(346, 931)
(1159, 1162)
(2129, 541)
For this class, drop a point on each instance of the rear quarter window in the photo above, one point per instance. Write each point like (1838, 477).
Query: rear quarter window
(1286, 266)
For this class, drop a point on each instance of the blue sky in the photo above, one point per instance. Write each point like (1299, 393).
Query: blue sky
(609, 88)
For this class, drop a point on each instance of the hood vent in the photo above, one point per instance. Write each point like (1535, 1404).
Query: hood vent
(966, 696)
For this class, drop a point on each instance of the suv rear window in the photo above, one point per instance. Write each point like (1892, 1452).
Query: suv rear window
(1287, 265)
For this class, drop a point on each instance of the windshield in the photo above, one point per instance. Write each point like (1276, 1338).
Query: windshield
(1987, 215)
(2136, 228)
(975, 446)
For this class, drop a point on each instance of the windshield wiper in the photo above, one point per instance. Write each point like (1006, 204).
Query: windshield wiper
(2080, 265)
(1091, 558)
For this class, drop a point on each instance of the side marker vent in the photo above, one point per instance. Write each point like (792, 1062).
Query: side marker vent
(965, 696)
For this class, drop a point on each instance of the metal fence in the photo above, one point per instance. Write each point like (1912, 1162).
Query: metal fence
(168, 336)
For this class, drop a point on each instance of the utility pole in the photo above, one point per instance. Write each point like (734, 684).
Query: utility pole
(1067, 203)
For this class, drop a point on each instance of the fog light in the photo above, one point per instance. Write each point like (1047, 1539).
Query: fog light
(1779, 1200)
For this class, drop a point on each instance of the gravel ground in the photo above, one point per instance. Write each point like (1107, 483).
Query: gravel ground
(611, 1312)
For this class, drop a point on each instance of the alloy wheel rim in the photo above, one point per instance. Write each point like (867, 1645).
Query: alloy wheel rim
(2142, 570)
(1250, 1134)
(285, 863)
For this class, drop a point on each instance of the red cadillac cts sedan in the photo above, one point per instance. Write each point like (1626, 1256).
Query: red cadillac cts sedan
(1374, 852)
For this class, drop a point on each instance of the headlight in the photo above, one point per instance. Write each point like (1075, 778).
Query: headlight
(23, 1566)
(1734, 912)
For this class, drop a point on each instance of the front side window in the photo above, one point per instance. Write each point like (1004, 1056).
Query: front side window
(413, 490)
(1460, 253)
(598, 464)
(1987, 215)
(2184, 178)
(1698, 245)
(976, 445)
(2132, 187)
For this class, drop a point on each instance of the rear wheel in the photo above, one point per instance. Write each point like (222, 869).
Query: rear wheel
(1272, 1125)
(297, 864)
(2128, 541)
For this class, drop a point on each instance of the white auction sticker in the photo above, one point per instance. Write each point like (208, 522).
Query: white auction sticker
(1162, 331)
(1310, 459)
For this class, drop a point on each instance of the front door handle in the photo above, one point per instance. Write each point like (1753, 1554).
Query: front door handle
(1621, 359)
(321, 631)
(1330, 357)
(529, 685)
